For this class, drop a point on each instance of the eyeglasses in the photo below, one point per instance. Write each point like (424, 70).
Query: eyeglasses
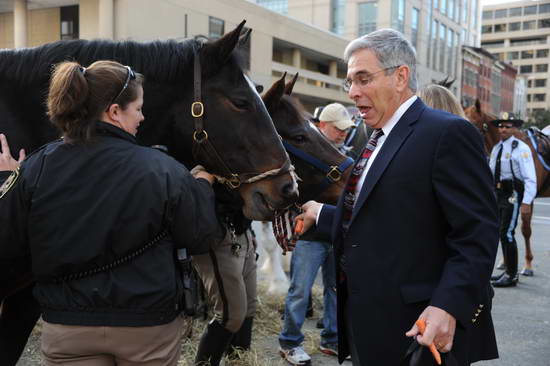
(505, 126)
(364, 79)
(130, 76)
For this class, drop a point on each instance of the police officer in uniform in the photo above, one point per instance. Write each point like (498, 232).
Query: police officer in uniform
(516, 187)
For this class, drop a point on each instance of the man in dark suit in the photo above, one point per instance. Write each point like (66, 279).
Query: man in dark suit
(416, 231)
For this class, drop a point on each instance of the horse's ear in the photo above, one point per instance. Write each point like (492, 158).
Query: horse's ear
(245, 38)
(273, 96)
(221, 49)
(290, 85)
(478, 106)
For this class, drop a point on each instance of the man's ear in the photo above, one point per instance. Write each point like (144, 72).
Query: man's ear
(403, 74)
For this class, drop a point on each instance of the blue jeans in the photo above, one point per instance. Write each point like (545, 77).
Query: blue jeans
(307, 257)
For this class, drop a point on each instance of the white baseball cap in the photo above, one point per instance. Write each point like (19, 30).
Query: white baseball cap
(336, 113)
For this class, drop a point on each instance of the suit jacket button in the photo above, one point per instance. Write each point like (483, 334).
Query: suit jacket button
(354, 245)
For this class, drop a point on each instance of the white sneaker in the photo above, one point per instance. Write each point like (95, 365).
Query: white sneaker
(295, 356)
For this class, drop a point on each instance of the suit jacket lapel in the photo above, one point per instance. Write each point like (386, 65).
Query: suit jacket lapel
(393, 142)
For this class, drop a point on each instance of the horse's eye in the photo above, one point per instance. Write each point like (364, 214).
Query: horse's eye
(299, 138)
(239, 103)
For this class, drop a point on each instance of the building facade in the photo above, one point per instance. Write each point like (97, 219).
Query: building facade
(519, 33)
(436, 28)
(278, 43)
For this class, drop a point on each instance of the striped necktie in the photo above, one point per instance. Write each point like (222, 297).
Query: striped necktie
(351, 187)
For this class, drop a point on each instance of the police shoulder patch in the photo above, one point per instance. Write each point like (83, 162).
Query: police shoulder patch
(9, 183)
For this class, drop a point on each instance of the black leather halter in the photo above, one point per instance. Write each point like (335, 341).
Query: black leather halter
(202, 142)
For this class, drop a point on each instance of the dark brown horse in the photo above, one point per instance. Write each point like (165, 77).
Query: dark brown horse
(322, 169)
(233, 118)
(491, 137)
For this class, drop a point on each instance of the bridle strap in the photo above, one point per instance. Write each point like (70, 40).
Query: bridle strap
(201, 141)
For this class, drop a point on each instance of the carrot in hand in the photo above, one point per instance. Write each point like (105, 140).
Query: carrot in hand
(421, 324)
(299, 227)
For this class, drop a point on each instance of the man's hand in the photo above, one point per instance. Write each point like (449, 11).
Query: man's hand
(525, 210)
(200, 172)
(440, 329)
(7, 162)
(310, 210)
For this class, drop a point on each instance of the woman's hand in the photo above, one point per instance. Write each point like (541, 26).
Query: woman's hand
(7, 162)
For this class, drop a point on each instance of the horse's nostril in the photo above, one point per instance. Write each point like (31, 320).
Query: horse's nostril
(289, 190)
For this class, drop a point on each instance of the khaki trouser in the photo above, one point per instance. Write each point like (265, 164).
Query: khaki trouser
(229, 276)
(75, 345)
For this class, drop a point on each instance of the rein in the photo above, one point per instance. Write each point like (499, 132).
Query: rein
(201, 141)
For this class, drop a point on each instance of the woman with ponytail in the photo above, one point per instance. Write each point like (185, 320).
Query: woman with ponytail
(101, 219)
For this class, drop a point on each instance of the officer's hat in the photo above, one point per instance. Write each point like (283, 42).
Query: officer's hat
(507, 117)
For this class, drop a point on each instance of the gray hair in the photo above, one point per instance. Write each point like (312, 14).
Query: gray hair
(391, 48)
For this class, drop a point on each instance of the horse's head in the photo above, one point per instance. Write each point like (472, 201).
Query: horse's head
(482, 121)
(232, 133)
(315, 158)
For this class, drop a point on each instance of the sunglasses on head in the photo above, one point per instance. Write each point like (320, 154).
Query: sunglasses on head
(130, 76)
(505, 126)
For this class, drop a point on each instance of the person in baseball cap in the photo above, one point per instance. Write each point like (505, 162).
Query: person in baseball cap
(335, 123)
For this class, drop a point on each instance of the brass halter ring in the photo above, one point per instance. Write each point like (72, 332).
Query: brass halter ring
(334, 174)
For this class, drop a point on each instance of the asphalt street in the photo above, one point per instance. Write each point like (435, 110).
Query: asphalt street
(522, 314)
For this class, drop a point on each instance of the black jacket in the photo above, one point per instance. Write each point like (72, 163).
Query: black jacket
(75, 207)
(424, 231)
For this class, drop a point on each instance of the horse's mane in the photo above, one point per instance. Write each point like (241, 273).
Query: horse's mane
(162, 60)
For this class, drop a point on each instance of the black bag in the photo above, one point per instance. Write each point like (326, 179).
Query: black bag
(418, 355)
(193, 300)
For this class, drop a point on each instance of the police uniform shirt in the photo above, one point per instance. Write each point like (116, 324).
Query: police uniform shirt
(522, 163)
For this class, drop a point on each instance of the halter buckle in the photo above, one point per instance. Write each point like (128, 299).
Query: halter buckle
(200, 136)
(199, 112)
(334, 174)
(234, 182)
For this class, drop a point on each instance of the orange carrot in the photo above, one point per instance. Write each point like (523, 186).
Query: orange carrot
(421, 324)
(299, 226)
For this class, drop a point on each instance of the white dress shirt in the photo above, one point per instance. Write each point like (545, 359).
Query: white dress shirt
(522, 163)
(387, 129)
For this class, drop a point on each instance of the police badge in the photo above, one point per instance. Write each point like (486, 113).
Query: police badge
(9, 183)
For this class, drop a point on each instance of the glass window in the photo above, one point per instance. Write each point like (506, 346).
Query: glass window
(529, 25)
(450, 40)
(338, 10)
(435, 47)
(280, 6)
(515, 26)
(541, 68)
(487, 14)
(465, 11)
(513, 55)
(415, 20)
(542, 53)
(215, 27)
(69, 22)
(443, 7)
(514, 12)
(398, 15)
(540, 83)
(501, 13)
(528, 10)
(527, 54)
(500, 28)
(474, 17)
(487, 28)
(544, 23)
(539, 97)
(544, 8)
(529, 83)
(442, 33)
(528, 97)
(451, 12)
(368, 13)
(524, 69)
